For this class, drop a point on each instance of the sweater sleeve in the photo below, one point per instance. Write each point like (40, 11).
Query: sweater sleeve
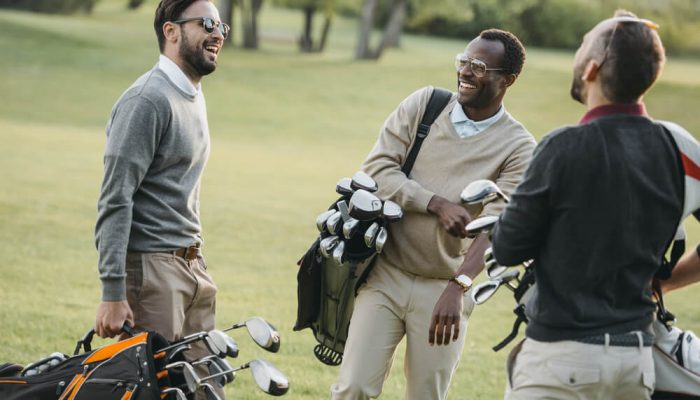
(132, 137)
(390, 151)
(523, 225)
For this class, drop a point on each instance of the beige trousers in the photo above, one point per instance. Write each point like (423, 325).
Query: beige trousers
(573, 370)
(391, 305)
(173, 297)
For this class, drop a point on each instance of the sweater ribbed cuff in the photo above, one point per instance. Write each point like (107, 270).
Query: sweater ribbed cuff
(113, 289)
(421, 200)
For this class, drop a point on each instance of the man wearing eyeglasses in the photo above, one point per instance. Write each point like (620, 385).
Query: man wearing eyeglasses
(596, 210)
(148, 231)
(417, 286)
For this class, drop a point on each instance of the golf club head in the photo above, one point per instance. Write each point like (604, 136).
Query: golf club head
(327, 244)
(350, 227)
(488, 254)
(271, 380)
(221, 344)
(209, 392)
(363, 181)
(510, 275)
(190, 377)
(177, 350)
(371, 234)
(381, 239)
(333, 223)
(339, 252)
(494, 269)
(179, 394)
(263, 334)
(364, 205)
(322, 218)
(484, 291)
(480, 225)
(391, 211)
(344, 188)
(223, 370)
(482, 191)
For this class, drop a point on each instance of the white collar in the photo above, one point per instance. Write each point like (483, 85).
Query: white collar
(178, 77)
(457, 115)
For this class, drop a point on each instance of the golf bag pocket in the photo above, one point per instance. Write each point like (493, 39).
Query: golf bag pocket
(126, 370)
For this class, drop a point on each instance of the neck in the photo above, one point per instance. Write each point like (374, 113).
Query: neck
(596, 98)
(480, 114)
(185, 67)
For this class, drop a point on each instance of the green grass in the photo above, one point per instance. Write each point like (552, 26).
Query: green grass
(285, 126)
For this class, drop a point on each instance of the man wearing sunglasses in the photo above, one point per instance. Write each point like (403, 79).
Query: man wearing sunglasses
(597, 209)
(148, 231)
(417, 286)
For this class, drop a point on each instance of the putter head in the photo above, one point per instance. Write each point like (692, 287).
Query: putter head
(363, 181)
(364, 205)
(381, 239)
(371, 234)
(322, 218)
(179, 394)
(339, 252)
(484, 291)
(327, 244)
(333, 223)
(344, 188)
(391, 211)
(482, 191)
(263, 334)
(350, 227)
(271, 380)
(190, 378)
(480, 225)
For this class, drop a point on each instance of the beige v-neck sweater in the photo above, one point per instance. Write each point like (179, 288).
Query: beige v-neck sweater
(445, 165)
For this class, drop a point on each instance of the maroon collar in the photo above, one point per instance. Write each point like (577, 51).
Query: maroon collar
(609, 109)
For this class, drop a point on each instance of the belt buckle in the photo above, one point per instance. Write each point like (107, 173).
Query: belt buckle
(191, 253)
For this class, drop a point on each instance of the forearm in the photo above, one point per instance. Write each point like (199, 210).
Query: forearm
(686, 272)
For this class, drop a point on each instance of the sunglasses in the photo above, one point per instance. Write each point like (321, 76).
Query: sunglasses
(208, 24)
(649, 24)
(477, 66)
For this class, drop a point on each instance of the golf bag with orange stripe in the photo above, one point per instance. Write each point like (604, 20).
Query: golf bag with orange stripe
(131, 369)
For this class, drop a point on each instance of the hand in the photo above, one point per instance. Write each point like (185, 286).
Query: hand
(453, 217)
(111, 316)
(446, 315)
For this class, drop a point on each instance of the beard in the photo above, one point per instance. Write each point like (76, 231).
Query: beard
(195, 57)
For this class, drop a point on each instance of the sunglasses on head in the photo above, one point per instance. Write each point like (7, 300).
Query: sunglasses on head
(208, 24)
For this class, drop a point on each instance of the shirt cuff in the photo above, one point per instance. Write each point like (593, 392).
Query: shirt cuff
(113, 289)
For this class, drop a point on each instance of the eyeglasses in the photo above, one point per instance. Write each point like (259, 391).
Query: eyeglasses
(650, 24)
(477, 67)
(208, 24)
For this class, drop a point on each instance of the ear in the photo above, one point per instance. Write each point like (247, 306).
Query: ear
(508, 80)
(591, 71)
(171, 32)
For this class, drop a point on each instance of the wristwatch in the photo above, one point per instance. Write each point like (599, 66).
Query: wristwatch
(463, 280)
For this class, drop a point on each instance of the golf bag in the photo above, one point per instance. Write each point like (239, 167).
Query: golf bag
(126, 370)
(326, 287)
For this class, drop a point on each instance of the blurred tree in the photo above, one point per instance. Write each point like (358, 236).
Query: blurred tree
(226, 8)
(249, 22)
(134, 4)
(50, 6)
(392, 28)
(309, 8)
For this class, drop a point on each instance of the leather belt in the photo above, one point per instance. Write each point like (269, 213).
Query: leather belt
(629, 339)
(188, 253)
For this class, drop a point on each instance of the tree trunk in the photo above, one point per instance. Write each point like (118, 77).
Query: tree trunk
(362, 51)
(306, 43)
(134, 4)
(249, 12)
(392, 31)
(324, 33)
(226, 12)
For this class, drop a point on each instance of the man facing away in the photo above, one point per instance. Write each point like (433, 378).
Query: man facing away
(412, 290)
(596, 210)
(148, 231)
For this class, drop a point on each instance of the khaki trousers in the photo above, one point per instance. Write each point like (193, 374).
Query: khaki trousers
(573, 370)
(172, 296)
(391, 305)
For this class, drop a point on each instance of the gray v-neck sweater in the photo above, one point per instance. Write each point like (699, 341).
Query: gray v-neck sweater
(157, 147)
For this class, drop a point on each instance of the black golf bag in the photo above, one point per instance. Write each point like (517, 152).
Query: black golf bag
(127, 370)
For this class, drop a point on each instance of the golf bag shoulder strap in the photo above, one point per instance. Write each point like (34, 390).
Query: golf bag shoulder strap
(438, 101)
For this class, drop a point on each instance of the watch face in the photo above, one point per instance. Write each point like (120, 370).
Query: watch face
(464, 280)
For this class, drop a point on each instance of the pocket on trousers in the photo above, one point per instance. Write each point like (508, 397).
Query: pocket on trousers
(574, 374)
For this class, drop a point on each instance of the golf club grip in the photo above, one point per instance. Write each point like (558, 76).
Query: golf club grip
(86, 341)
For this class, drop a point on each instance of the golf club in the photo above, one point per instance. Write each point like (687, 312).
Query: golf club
(480, 225)
(379, 243)
(192, 381)
(322, 218)
(217, 365)
(482, 191)
(209, 392)
(262, 332)
(177, 351)
(494, 269)
(179, 394)
(363, 181)
(344, 188)
(339, 252)
(327, 244)
(484, 291)
(364, 205)
(507, 277)
(221, 344)
(268, 378)
(333, 223)
(391, 211)
(350, 227)
(371, 234)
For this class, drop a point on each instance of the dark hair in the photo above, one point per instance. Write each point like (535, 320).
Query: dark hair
(168, 10)
(514, 55)
(634, 59)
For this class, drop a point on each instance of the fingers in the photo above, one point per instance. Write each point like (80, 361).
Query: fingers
(443, 329)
